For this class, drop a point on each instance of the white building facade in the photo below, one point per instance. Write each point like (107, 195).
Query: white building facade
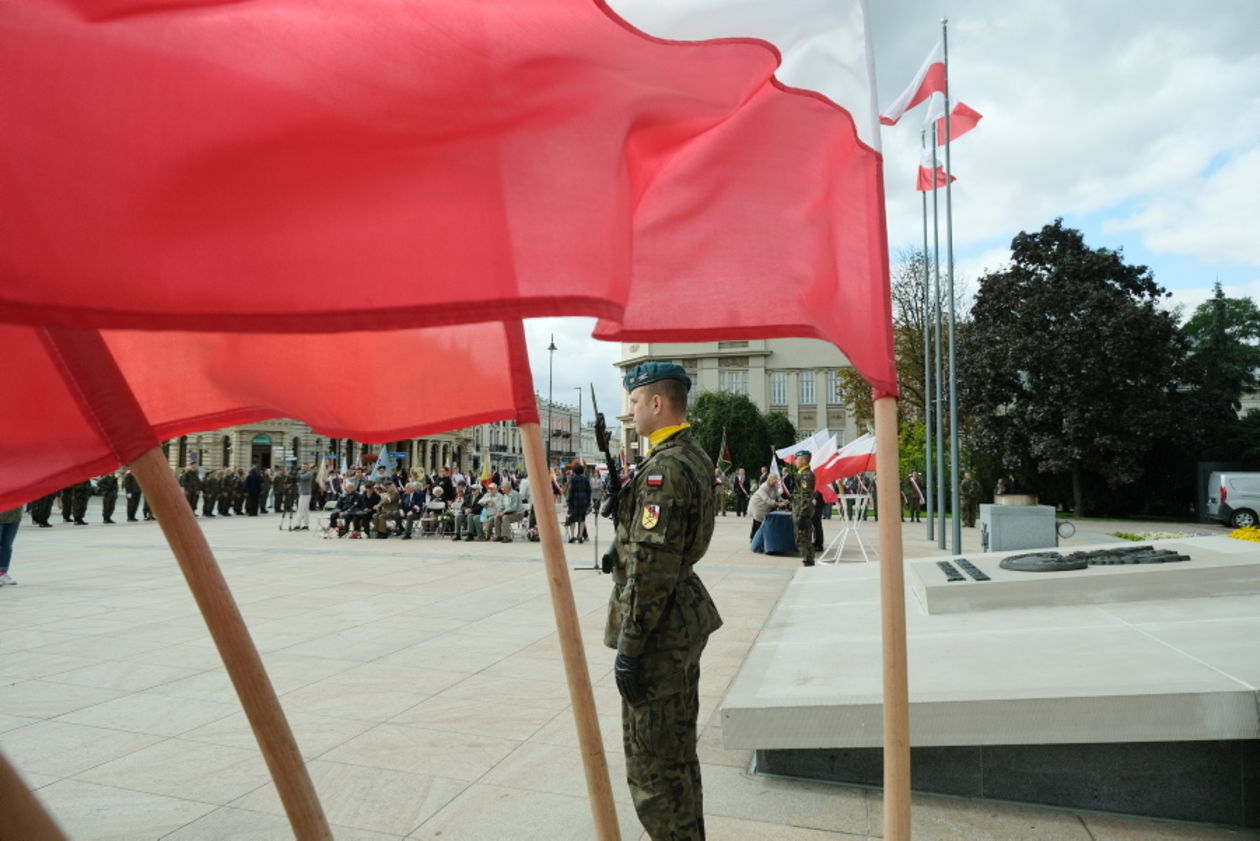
(794, 377)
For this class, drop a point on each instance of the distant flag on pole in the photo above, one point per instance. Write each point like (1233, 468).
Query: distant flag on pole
(382, 460)
(724, 457)
(857, 456)
(812, 443)
(931, 178)
(930, 79)
(962, 119)
(774, 463)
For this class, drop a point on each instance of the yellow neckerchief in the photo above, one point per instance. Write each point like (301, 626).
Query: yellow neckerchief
(655, 438)
(801, 468)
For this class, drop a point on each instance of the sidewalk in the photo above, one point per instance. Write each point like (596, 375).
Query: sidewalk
(423, 682)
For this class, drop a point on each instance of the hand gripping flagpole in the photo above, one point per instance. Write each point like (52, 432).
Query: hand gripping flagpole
(955, 471)
(92, 373)
(892, 594)
(590, 742)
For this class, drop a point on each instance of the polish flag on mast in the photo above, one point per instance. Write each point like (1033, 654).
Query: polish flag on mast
(929, 80)
(931, 178)
(857, 456)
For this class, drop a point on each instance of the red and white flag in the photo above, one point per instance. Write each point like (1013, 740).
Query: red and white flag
(196, 203)
(962, 119)
(930, 79)
(931, 174)
(858, 456)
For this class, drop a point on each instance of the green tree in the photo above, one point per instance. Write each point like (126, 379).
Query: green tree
(715, 411)
(1224, 364)
(1069, 368)
(781, 431)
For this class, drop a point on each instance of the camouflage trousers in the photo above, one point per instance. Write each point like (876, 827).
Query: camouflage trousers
(805, 539)
(659, 736)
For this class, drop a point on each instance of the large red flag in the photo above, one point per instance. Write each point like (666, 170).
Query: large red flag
(373, 386)
(285, 166)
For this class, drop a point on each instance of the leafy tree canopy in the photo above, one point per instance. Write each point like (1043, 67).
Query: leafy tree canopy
(745, 426)
(1068, 366)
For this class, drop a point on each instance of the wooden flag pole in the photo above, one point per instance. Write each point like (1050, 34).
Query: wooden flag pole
(91, 372)
(594, 763)
(240, 657)
(22, 816)
(893, 626)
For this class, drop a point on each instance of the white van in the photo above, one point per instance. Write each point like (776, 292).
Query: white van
(1234, 498)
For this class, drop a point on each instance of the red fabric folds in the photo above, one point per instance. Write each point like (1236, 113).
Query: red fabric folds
(373, 386)
(289, 165)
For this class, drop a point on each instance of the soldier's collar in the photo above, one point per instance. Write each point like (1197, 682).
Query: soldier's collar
(656, 438)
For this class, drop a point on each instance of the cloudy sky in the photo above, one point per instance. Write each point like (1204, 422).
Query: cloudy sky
(1137, 121)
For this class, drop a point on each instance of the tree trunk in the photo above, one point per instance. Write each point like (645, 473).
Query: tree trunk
(1078, 491)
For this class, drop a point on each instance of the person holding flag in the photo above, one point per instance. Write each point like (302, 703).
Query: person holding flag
(720, 469)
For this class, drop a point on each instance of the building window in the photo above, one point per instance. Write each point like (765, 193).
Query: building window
(833, 387)
(729, 345)
(733, 382)
(807, 388)
(778, 388)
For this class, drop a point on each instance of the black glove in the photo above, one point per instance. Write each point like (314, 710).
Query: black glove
(626, 671)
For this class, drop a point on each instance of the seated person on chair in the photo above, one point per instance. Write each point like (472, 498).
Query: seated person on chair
(511, 512)
(410, 509)
(434, 510)
(385, 511)
(348, 506)
(467, 510)
(491, 502)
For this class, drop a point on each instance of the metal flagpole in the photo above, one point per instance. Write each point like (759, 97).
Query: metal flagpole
(927, 362)
(936, 316)
(955, 471)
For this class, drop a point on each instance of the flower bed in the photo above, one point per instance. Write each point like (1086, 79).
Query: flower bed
(1137, 537)
(1251, 533)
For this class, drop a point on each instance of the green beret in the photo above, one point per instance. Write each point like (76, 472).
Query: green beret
(650, 372)
(800, 453)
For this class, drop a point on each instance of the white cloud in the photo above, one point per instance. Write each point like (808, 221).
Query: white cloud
(1088, 106)
(578, 361)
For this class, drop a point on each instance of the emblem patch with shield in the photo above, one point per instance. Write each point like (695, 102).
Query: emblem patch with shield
(651, 516)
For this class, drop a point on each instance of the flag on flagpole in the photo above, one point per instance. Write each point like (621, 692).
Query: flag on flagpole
(724, 456)
(774, 463)
(858, 456)
(929, 79)
(930, 178)
(382, 460)
(962, 119)
(812, 443)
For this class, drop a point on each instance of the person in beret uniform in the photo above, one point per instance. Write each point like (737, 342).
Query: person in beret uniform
(660, 615)
(803, 507)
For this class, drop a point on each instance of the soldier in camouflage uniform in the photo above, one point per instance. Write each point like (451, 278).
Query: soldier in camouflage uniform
(41, 510)
(66, 497)
(238, 494)
(227, 492)
(79, 501)
(970, 490)
(190, 481)
(131, 487)
(803, 507)
(265, 488)
(108, 486)
(211, 487)
(660, 615)
(291, 489)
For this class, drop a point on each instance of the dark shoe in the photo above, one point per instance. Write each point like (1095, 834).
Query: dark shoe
(456, 537)
(809, 563)
(406, 537)
(109, 522)
(80, 523)
(45, 525)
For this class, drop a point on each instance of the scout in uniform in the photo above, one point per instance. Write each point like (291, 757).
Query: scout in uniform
(803, 507)
(660, 615)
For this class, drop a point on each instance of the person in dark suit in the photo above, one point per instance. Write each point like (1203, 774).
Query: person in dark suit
(410, 509)
(743, 491)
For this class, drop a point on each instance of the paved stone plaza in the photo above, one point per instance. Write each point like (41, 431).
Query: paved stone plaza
(423, 682)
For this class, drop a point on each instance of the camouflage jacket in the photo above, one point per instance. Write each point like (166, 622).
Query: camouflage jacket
(664, 524)
(107, 485)
(803, 495)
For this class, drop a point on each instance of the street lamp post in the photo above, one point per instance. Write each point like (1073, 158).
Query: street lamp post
(551, 355)
(577, 448)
